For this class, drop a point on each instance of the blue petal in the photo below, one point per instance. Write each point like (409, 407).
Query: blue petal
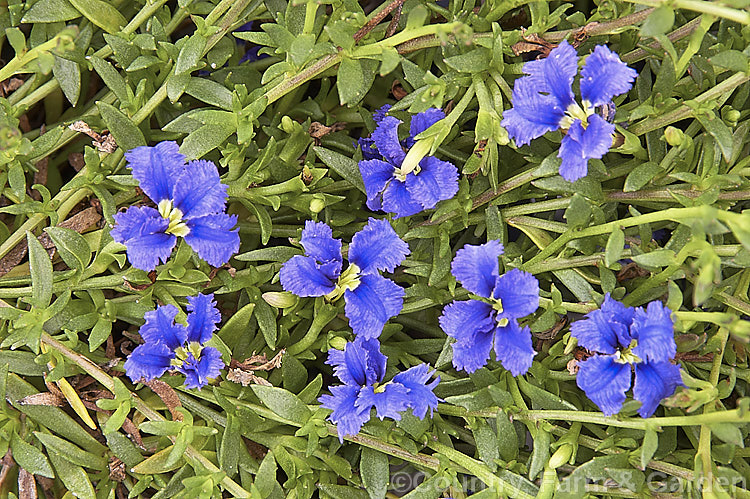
(580, 145)
(472, 324)
(388, 403)
(148, 362)
(213, 239)
(605, 382)
(380, 113)
(519, 293)
(605, 329)
(377, 247)
(654, 330)
(360, 363)
(604, 76)
(200, 192)
(654, 381)
(376, 174)
(386, 140)
(157, 168)
(303, 276)
(372, 303)
(397, 199)
(317, 239)
(369, 150)
(476, 267)
(437, 180)
(346, 416)
(202, 319)
(142, 231)
(554, 74)
(513, 348)
(421, 396)
(422, 121)
(208, 366)
(533, 114)
(161, 328)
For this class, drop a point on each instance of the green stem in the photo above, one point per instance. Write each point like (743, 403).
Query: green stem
(711, 8)
(16, 64)
(106, 380)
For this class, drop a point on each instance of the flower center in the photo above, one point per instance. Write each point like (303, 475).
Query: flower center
(183, 353)
(497, 305)
(577, 112)
(174, 215)
(401, 174)
(626, 355)
(377, 388)
(349, 279)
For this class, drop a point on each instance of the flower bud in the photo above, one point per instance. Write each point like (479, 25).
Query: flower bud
(337, 342)
(282, 299)
(317, 204)
(561, 456)
(730, 115)
(287, 124)
(674, 136)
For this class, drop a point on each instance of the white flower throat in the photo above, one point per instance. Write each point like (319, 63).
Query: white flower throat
(174, 215)
(577, 112)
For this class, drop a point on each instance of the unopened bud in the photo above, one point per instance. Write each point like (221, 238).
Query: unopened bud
(561, 456)
(674, 136)
(730, 115)
(282, 299)
(337, 342)
(287, 124)
(317, 205)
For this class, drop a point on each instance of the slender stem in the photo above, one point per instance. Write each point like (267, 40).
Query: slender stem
(711, 8)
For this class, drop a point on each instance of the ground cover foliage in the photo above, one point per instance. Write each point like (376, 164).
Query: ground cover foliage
(279, 105)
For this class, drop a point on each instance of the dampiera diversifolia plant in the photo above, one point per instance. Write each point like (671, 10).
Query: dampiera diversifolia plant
(393, 189)
(627, 338)
(543, 101)
(371, 299)
(492, 316)
(361, 367)
(170, 345)
(191, 202)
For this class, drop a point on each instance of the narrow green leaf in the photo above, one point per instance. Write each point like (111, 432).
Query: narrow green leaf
(641, 176)
(210, 92)
(72, 452)
(41, 272)
(190, 54)
(72, 247)
(231, 441)
(343, 165)
(658, 22)
(656, 258)
(720, 132)
(205, 139)
(266, 322)
(50, 11)
(265, 480)
(30, 458)
(111, 78)
(102, 14)
(75, 479)
(648, 448)
(125, 132)
(615, 245)
(373, 467)
(282, 402)
(68, 75)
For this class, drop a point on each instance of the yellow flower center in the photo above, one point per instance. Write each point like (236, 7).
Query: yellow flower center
(182, 353)
(497, 305)
(577, 112)
(626, 356)
(349, 279)
(174, 215)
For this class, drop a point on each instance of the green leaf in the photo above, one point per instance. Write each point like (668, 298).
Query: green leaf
(474, 61)
(728, 432)
(730, 59)
(658, 22)
(720, 132)
(99, 333)
(72, 247)
(656, 258)
(578, 212)
(157, 463)
(355, 77)
(205, 139)
(343, 165)
(231, 440)
(72, 452)
(30, 458)
(507, 437)
(641, 175)
(123, 448)
(487, 445)
(210, 92)
(190, 54)
(50, 11)
(615, 245)
(648, 448)
(75, 479)
(266, 321)
(282, 402)
(127, 135)
(41, 272)
(271, 254)
(68, 75)
(102, 14)
(265, 480)
(542, 399)
(111, 78)
(540, 454)
(373, 467)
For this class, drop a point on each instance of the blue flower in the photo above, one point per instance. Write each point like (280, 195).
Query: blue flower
(170, 345)
(543, 101)
(371, 299)
(361, 368)
(191, 202)
(393, 190)
(627, 338)
(491, 318)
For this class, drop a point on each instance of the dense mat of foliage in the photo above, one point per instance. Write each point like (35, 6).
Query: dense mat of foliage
(536, 286)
